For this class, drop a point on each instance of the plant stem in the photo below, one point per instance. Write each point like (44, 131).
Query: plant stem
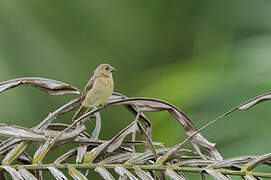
(143, 167)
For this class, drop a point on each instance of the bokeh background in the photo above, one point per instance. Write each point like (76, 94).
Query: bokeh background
(203, 56)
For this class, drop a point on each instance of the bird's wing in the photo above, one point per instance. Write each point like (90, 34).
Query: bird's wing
(88, 87)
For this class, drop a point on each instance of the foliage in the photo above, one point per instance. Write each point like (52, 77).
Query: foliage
(154, 160)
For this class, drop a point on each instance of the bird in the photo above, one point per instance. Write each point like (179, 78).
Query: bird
(97, 91)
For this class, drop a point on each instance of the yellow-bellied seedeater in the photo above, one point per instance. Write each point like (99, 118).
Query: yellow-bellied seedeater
(98, 89)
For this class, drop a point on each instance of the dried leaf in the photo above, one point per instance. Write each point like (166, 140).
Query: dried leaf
(122, 171)
(249, 177)
(142, 174)
(148, 139)
(74, 134)
(82, 118)
(232, 161)
(194, 135)
(90, 156)
(111, 145)
(112, 159)
(97, 129)
(4, 146)
(57, 174)
(133, 109)
(254, 101)
(26, 174)
(15, 152)
(195, 162)
(25, 158)
(96, 142)
(63, 109)
(124, 177)
(157, 105)
(104, 173)
(24, 133)
(133, 139)
(8, 144)
(161, 175)
(76, 174)
(62, 126)
(120, 158)
(117, 140)
(68, 136)
(65, 138)
(42, 151)
(81, 151)
(63, 158)
(91, 113)
(257, 161)
(116, 97)
(167, 155)
(216, 174)
(14, 174)
(177, 147)
(50, 86)
(174, 175)
(19, 132)
(144, 157)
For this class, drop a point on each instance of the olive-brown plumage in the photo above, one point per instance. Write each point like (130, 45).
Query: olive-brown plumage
(98, 89)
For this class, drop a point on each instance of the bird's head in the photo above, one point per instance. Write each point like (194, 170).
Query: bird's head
(104, 70)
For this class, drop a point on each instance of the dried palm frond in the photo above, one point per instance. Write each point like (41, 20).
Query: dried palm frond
(118, 154)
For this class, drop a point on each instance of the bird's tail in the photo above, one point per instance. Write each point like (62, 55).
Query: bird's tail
(80, 112)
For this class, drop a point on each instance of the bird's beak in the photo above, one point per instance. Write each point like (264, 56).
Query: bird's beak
(113, 69)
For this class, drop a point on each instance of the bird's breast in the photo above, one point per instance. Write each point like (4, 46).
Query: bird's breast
(105, 82)
(100, 92)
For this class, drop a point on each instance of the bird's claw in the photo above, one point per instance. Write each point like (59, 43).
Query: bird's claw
(101, 106)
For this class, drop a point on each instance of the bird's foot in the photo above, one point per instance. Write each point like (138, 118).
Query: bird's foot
(101, 106)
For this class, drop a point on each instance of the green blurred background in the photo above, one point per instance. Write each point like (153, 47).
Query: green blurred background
(203, 56)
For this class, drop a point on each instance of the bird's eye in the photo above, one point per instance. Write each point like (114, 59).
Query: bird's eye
(107, 68)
